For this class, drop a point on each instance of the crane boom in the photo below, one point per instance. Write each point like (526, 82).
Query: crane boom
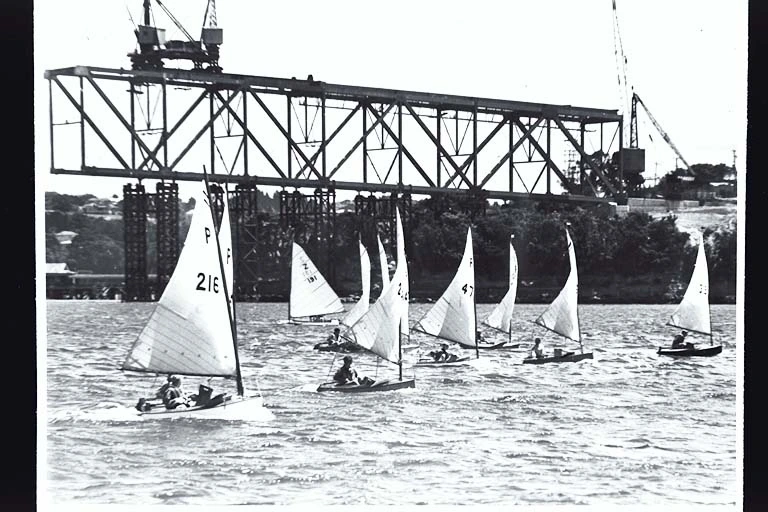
(635, 100)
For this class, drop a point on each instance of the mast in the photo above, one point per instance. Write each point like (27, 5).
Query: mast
(239, 377)
(477, 347)
(291, 276)
(511, 248)
(400, 347)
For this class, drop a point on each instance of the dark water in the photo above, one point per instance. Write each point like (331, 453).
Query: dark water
(627, 428)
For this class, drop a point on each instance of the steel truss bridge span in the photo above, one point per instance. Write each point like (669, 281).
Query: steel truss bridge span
(302, 133)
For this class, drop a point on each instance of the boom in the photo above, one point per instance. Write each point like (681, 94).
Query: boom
(633, 124)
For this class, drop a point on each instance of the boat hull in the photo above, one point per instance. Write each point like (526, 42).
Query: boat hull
(430, 362)
(690, 352)
(295, 321)
(570, 358)
(214, 408)
(489, 346)
(379, 385)
(324, 347)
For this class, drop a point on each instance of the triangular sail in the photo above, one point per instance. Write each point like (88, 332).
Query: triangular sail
(227, 256)
(377, 330)
(189, 332)
(363, 304)
(403, 286)
(311, 294)
(452, 317)
(384, 265)
(562, 315)
(693, 311)
(501, 316)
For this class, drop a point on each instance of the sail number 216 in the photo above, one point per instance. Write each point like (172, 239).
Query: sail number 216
(207, 283)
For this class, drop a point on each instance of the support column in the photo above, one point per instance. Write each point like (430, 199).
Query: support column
(167, 215)
(135, 240)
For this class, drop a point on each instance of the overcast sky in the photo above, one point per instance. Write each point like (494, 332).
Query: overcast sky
(686, 59)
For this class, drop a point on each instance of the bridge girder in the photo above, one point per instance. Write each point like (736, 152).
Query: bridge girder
(413, 142)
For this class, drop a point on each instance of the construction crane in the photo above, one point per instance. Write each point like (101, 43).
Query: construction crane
(633, 129)
(153, 47)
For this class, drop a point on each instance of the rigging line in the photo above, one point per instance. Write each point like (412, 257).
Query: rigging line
(375, 132)
(309, 131)
(157, 102)
(296, 115)
(448, 132)
(392, 165)
(130, 16)
(384, 134)
(144, 115)
(466, 129)
(175, 21)
(330, 368)
(374, 168)
(221, 157)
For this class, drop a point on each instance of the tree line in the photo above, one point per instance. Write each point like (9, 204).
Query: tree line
(634, 257)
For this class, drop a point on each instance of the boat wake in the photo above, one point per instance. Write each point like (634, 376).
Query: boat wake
(110, 412)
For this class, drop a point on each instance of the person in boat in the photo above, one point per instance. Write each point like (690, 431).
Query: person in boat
(175, 396)
(335, 338)
(536, 350)
(161, 391)
(479, 337)
(679, 341)
(346, 373)
(442, 354)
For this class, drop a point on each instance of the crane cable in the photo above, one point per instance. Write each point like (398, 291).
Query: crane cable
(175, 21)
(621, 61)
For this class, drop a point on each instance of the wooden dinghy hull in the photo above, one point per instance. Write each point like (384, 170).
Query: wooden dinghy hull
(379, 385)
(293, 321)
(690, 352)
(490, 346)
(570, 358)
(324, 347)
(214, 407)
(430, 362)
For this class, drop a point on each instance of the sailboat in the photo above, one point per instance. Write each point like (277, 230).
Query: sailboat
(453, 317)
(384, 265)
(192, 330)
(311, 296)
(693, 313)
(501, 316)
(362, 305)
(381, 328)
(357, 311)
(562, 316)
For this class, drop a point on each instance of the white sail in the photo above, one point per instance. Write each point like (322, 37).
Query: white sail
(693, 311)
(227, 256)
(189, 332)
(452, 317)
(363, 304)
(377, 330)
(562, 315)
(384, 265)
(501, 316)
(310, 293)
(403, 286)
